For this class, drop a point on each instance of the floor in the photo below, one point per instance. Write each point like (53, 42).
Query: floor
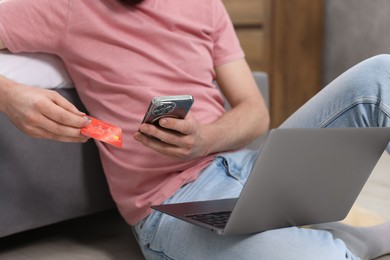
(105, 236)
(375, 195)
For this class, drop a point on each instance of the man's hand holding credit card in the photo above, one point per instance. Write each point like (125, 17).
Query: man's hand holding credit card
(103, 131)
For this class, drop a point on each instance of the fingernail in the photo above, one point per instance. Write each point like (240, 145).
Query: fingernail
(84, 140)
(143, 128)
(87, 121)
(162, 121)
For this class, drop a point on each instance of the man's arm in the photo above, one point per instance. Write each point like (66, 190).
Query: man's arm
(249, 117)
(39, 112)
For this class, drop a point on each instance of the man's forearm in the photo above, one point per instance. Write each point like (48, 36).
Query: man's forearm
(237, 127)
(5, 84)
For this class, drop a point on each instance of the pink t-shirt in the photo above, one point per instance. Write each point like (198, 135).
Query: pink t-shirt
(121, 58)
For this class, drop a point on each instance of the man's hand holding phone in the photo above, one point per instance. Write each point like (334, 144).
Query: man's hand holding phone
(175, 133)
(168, 106)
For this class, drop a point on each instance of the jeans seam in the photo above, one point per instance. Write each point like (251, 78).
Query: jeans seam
(158, 253)
(357, 101)
(384, 108)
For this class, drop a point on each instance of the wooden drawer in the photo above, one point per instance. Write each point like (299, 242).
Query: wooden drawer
(255, 45)
(248, 12)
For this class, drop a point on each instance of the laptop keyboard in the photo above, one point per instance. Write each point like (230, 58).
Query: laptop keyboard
(216, 219)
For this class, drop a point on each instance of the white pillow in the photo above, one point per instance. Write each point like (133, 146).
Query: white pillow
(35, 69)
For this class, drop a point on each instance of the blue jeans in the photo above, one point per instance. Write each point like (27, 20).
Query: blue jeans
(358, 98)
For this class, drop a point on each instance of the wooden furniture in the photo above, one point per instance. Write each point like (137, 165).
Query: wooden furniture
(284, 39)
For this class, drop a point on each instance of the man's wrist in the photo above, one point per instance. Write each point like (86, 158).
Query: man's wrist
(5, 85)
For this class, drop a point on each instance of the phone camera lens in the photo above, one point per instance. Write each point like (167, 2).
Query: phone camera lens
(169, 108)
(159, 110)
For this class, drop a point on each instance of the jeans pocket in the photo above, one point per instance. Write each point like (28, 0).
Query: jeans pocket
(238, 164)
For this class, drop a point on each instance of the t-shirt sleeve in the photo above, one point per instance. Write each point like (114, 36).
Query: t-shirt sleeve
(227, 47)
(33, 25)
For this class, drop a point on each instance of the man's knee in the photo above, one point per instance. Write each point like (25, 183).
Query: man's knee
(377, 64)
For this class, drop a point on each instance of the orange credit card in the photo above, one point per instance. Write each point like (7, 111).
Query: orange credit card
(103, 131)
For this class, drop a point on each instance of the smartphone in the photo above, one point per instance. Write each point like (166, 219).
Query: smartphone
(168, 106)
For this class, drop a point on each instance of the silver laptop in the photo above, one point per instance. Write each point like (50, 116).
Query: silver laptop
(301, 177)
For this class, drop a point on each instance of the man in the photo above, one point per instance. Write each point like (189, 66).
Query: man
(121, 57)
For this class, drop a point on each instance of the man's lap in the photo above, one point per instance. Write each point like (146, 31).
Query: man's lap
(164, 237)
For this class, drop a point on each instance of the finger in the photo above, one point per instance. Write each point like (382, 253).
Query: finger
(43, 133)
(150, 141)
(65, 104)
(53, 127)
(161, 147)
(179, 125)
(177, 132)
(62, 130)
(166, 136)
(58, 138)
(64, 117)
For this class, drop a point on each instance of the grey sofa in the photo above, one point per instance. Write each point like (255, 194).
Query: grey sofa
(354, 30)
(43, 182)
